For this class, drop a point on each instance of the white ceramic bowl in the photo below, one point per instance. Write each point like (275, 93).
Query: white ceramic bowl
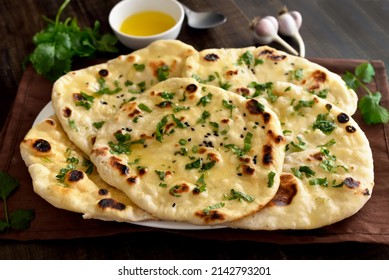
(125, 8)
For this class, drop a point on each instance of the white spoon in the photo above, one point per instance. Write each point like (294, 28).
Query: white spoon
(203, 20)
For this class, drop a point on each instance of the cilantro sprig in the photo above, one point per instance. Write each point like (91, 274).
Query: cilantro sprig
(369, 105)
(17, 219)
(60, 41)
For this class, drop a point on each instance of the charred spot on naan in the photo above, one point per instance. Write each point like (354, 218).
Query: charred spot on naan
(211, 57)
(210, 216)
(116, 164)
(103, 192)
(67, 112)
(111, 203)
(272, 55)
(286, 192)
(103, 151)
(75, 176)
(132, 180)
(41, 147)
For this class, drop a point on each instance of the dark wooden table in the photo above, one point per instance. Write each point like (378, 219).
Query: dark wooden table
(331, 29)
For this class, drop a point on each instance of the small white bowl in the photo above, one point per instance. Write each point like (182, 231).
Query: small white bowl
(125, 8)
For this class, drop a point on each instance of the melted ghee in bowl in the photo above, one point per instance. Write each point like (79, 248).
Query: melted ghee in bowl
(147, 23)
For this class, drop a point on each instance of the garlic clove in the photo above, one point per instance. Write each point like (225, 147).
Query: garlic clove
(297, 18)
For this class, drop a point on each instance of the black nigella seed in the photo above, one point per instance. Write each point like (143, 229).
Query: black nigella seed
(343, 118)
(103, 72)
(350, 129)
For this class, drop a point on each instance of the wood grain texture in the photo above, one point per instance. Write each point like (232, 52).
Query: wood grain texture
(331, 28)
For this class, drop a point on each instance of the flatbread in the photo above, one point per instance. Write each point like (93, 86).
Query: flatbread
(246, 71)
(189, 152)
(83, 100)
(62, 175)
(328, 173)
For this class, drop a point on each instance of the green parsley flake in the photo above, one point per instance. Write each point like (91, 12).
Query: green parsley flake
(270, 178)
(144, 107)
(139, 67)
(162, 73)
(205, 100)
(236, 195)
(208, 209)
(324, 124)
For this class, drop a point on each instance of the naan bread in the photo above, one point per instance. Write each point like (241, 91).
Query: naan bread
(247, 71)
(184, 151)
(83, 100)
(63, 176)
(328, 172)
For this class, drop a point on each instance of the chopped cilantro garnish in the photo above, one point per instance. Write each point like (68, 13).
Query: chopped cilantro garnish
(144, 107)
(229, 106)
(139, 67)
(302, 104)
(103, 89)
(162, 73)
(213, 207)
(270, 178)
(205, 115)
(167, 95)
(247, 142)
(296, 74)
(324, 124)
(239, 196)
(319, 181)
(98, 125)
(205, 100)
(161, 175)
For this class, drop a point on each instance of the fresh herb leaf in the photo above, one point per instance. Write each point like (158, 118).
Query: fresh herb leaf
(369, 105)
(104, 89)
(161, 175)
(7, 185)
(299, 146)
(20, 219)
(144, 107)
(328, 144)
(324, 124)
(303, 169)
(59, 42)
(260, 88)
(98, 125)
(168, 95)
(228, 106)
(194, 164)
(201, 186)
(270, 179)
(173, 191)
(124, 143)
(139, 67)
(205, 115)
(239, 196)
(365, 72)
(302, 104)
(162, 73)
(296, 74)
(205, 100)
(17, 219)
(371, 110)
(247, 142)
(319, 181)
(235, 149)
(160, 131)
(89, 166)
(208, 209)
(246, 58)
